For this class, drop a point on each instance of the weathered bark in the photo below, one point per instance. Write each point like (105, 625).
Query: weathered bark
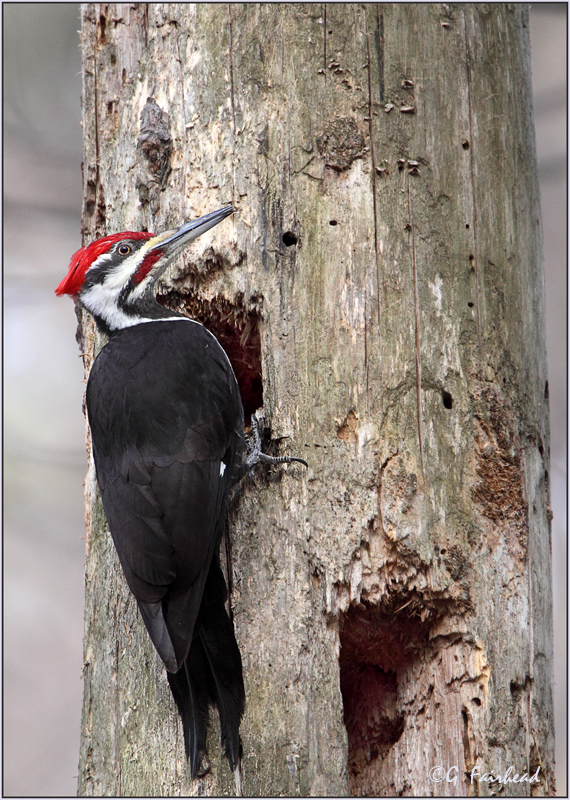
(382, 286)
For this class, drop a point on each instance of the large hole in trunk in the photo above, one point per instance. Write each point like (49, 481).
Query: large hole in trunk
(237, 330)
(375, 645)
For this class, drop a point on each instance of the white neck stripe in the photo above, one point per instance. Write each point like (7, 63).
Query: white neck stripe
(165, 319)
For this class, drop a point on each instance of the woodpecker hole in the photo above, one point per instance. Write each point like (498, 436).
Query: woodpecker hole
(289, 238)
(467, 226)
(546, 391)
(333, 222)
(376, 647)
(470, 304)
(447, 399)
(465, 144)
(237, 330)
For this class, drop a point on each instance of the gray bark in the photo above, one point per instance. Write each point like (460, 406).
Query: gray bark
(384, 272)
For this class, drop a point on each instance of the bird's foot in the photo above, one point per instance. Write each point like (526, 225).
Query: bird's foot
(255, 455)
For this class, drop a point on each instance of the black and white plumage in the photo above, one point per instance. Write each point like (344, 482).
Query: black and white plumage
(169, 444)
(168, 449)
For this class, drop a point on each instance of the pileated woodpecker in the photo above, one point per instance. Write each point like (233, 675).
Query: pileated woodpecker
(169, 444)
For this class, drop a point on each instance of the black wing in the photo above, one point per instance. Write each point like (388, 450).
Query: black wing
(167, 429)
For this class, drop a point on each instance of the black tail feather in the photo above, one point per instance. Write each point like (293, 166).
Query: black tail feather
(225, 683)
(225, 676)
(190, 690)
(212, 672)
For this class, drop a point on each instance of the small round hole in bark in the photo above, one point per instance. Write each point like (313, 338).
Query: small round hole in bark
(465, 144)
(333, 222)
(447, 399)
(467, 226)
(289, 238)
(470, 304)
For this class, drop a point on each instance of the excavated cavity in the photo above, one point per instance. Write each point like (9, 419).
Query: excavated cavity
(237, 330)
(375, 645)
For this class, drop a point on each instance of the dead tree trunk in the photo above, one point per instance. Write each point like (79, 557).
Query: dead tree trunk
(381, 294)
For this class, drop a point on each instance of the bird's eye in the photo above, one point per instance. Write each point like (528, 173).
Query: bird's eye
(124, 250)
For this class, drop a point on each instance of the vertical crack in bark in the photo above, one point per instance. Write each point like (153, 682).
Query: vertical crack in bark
(232, 97)
(373, 158)
(530, 682)
(324, 7)
(417, 329)
(96, 104)
(117, 714)
(475, 262)
(183, 103)
(99, 221)
(379, 36)
(374, 202)
(231, 60)
(96, 120)
(366, 347)
(145, 23)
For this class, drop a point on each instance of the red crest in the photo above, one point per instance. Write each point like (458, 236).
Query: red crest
(84, 258)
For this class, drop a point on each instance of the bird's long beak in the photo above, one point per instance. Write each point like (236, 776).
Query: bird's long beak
(169, 243)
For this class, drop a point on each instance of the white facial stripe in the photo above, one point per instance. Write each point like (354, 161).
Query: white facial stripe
(102, 304)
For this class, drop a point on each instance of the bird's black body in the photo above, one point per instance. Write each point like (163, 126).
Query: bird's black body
(168, 447)
(168, 440)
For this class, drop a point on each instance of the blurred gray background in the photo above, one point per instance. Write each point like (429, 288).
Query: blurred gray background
(44, 426)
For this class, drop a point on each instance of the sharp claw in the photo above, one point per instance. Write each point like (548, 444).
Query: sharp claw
(255, 454)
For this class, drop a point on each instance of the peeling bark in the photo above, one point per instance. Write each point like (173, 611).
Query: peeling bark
(380, 292)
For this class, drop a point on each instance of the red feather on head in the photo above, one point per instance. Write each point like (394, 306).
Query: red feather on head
(84, 258)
